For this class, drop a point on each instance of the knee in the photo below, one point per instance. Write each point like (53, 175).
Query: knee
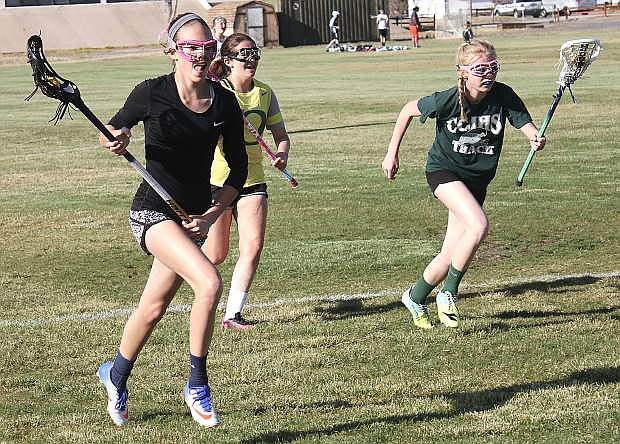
(152, 313)
(216, 251)
(209, 290)
(217, 257)
(480, 229)
(252, 250)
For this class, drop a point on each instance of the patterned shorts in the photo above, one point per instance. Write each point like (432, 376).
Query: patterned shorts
(142, 220)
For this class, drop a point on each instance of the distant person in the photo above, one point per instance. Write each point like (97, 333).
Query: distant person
(397, 16)
(414, 27)
(468, 33)
(219, 29)
(383, 24)
(333, 30)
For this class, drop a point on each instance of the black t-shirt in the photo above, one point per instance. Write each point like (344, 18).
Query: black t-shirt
(415, 19)
(472, 149)
(180, 144)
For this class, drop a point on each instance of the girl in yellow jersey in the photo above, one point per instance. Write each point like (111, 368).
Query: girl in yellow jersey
(236, 67)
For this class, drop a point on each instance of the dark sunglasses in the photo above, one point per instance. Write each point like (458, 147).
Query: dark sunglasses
(245, 54)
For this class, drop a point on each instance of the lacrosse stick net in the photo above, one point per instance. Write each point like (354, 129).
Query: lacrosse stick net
(575, 57)
(47, 80)
(54, 86)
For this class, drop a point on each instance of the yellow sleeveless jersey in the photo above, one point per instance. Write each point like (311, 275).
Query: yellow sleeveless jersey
(255, 105)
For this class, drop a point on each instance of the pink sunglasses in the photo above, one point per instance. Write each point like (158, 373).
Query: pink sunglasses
(192, 50)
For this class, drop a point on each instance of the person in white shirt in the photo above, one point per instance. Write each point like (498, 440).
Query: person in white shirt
(383, 24)
(333, 29)
(219, 28)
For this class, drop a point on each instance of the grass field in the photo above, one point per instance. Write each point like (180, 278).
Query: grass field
(335, 357)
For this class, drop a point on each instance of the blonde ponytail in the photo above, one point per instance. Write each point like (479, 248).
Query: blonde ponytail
(462, 78)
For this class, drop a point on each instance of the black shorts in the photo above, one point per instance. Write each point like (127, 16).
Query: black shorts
(260, 189)
(383, 32)
(436, 178)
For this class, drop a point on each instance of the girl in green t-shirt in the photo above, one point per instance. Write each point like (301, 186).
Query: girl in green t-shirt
(470, 119)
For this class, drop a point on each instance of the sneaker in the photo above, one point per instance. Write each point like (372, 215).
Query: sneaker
(237, 323)
(198, 399)
(117, 401)
(448, 312)
(418, 311)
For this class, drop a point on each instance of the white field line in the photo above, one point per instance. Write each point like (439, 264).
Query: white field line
(124, 312)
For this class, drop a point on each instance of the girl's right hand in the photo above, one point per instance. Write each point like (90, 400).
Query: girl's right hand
(198, 226)
(119, 146)
(390, 165)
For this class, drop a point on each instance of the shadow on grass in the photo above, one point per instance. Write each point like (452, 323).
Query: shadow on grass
(524, 314)
(493, 398)
(550, 285)
(355, 307)
(462, 403)
(292, 435)
(503, 327)
(357, 125)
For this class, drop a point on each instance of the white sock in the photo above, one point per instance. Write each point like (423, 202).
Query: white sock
(236, 301)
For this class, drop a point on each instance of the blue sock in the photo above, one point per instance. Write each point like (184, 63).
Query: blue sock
(120, 371)
(198, 371)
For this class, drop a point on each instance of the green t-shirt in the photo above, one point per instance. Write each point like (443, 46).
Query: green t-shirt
(471, 150)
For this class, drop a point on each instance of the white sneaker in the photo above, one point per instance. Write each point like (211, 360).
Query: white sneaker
(117, 402)
(446, 307)
(419, 312)
(198, 399)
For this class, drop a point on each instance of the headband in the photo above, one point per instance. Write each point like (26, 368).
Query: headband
(180, 22)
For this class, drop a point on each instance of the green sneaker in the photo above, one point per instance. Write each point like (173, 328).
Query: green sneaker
(446, 307)
(418, 311)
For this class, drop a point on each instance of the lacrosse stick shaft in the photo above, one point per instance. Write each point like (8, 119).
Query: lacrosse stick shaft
(541, 133)
(291, 180)
(135, 164)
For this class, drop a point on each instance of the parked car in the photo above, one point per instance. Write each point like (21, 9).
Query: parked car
(519, 8)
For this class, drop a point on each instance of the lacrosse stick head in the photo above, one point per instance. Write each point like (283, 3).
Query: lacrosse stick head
(575, 57)
(48, 81)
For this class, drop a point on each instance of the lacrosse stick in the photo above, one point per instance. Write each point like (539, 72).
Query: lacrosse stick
(261, 142)
(54, 86)
(575, 57)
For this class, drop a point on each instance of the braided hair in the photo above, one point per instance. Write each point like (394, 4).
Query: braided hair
(466, 54)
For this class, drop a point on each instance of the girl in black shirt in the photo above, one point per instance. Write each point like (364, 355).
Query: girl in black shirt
(184, 115)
